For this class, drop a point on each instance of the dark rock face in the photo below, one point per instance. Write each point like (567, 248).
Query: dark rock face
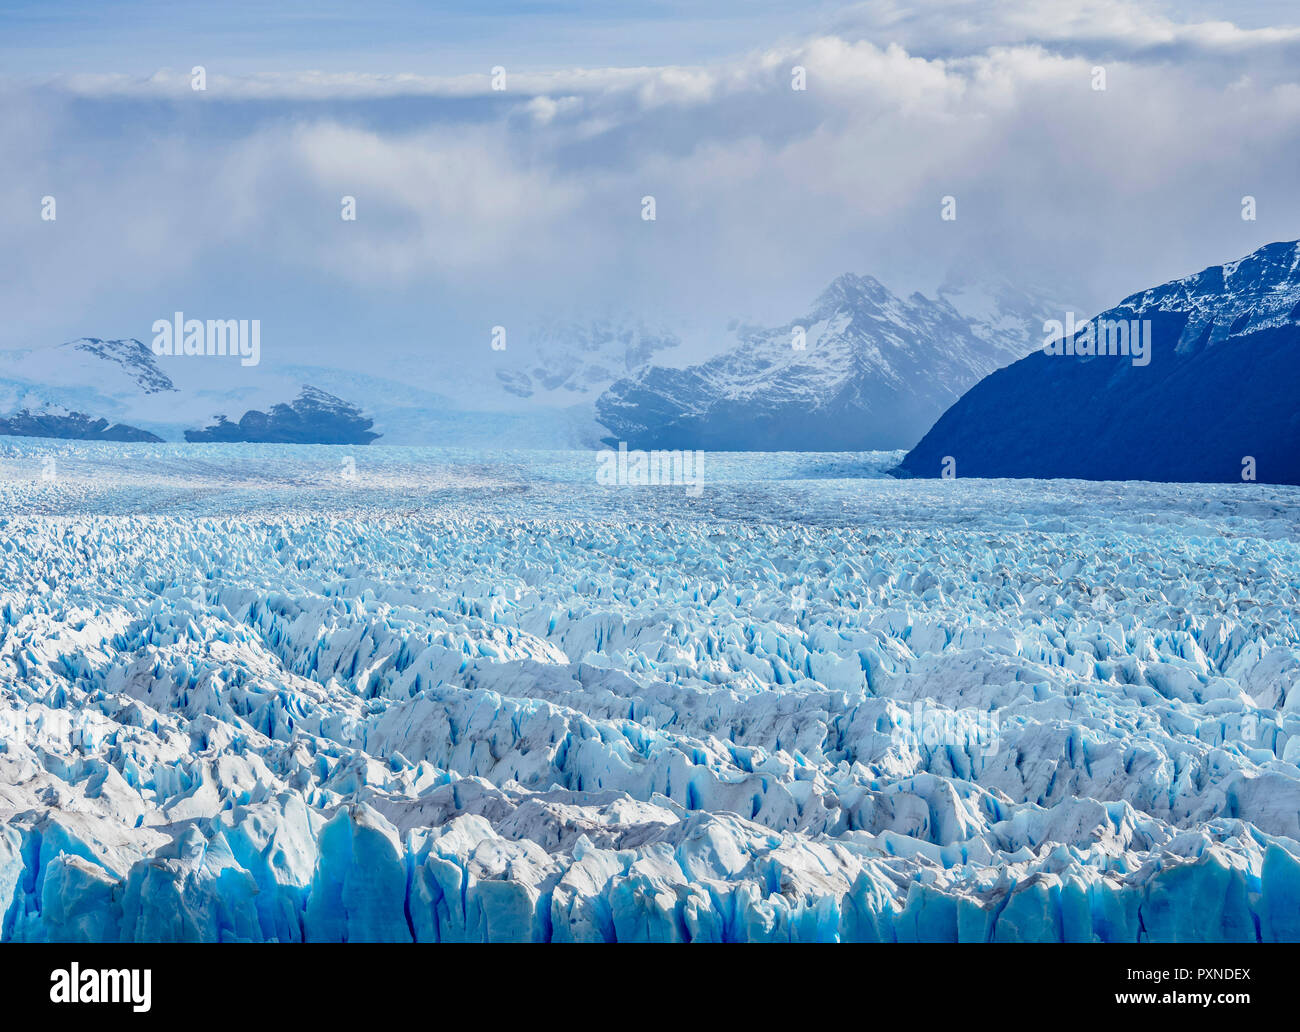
(76, 426)
(314, 417)
(1222, 386)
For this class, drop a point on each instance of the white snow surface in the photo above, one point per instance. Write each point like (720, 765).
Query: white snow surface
(478, 696)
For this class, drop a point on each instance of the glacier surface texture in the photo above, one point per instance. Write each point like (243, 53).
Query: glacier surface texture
(291, 693)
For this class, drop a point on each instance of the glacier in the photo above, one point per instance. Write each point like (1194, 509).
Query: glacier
(302, 693)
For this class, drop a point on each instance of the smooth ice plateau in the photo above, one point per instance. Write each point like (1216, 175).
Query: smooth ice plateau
(301, 693)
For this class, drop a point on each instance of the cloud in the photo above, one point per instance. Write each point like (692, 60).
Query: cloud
(1103, 28)
(476, 206)
(655, 85)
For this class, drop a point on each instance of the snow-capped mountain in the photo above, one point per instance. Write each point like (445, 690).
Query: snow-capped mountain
(1213, 395)
(869, 371)
(567, 362)
(541, 394)
(135, 359)
(119, 390)
(863, 369)
(83, 389)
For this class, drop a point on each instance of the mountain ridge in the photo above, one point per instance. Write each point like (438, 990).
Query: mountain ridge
(1217, 400)
(862, 369)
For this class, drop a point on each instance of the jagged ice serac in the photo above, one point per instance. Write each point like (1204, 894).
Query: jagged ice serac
(463, 696)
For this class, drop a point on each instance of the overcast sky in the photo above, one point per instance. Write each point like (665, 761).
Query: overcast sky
(478, 207)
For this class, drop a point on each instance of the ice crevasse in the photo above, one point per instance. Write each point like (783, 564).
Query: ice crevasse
(452, 725)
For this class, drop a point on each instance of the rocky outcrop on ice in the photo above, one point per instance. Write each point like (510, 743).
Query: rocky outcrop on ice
(116, 390)
(427, 704)
(863, 369)
(314, 417)
(76, 390)
(1213, 397)
(60, 423)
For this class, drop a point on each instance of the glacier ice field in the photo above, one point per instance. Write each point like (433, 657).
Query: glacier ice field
(309, 693)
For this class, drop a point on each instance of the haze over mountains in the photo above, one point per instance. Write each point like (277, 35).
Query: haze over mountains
(961, 376)
(862, 370)
(119, 390)
(572, 360)
(870, 371)
(540, 393)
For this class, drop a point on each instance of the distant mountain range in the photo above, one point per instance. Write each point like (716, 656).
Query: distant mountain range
(1219, 392)
(964, 373)
(861, 370)
(116, 390)
(542, 394)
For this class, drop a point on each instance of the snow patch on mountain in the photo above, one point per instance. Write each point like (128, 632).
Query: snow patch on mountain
(564, 361)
